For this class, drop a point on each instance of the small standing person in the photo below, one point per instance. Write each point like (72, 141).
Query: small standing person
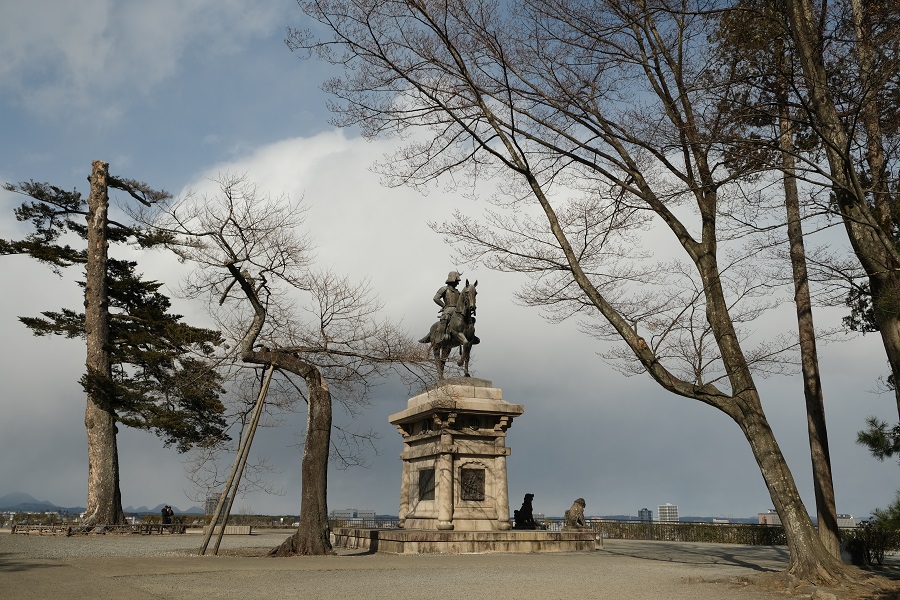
(167, 513)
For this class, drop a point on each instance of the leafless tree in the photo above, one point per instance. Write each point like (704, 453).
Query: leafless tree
(848, 53)
(761, 92)
(320, 331)
(597, 117)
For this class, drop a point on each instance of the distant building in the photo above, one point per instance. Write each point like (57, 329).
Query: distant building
(645, 515)
(667, 513)
(770, 517)
(847, 521)
(352, 513)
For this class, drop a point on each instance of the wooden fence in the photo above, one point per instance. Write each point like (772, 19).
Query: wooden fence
(73, 528)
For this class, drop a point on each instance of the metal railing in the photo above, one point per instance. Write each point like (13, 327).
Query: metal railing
(365, 523)
(715, 533)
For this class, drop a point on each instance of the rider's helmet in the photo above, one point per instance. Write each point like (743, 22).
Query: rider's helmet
(453, 277)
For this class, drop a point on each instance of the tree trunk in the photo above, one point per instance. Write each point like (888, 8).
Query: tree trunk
(885, 287)
(885, 301)
(313, 536)
(810, 560)
(823, 483)
(104, 503)
(873, 245)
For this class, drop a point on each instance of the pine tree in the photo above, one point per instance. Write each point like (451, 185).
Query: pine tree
(158, 374)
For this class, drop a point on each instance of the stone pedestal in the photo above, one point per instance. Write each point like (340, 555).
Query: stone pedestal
(454, 457)
(453, 492)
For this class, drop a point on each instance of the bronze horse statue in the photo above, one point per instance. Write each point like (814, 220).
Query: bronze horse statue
(460, 332)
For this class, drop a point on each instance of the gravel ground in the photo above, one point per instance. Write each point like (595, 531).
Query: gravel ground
(145, 567)
(128, 545)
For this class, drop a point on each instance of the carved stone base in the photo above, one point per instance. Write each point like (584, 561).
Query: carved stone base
(454, 457)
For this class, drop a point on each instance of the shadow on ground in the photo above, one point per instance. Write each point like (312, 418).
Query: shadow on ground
(763, 559)
(9, 564)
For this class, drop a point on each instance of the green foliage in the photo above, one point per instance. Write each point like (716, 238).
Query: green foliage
(862, 313)
(870, 540)
(51, 212)
(36, 518)
(163, 380)
(882, 440)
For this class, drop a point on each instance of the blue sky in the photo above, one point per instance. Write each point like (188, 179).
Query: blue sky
(174, 93)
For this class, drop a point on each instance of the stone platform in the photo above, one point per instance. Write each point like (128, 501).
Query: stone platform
(426, 541)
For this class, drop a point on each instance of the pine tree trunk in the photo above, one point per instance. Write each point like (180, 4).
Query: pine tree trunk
(104, 503)
(870, 229)
(313, 536)
(885, 288)
(823, 482)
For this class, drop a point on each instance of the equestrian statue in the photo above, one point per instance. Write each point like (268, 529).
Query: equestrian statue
(456, 324)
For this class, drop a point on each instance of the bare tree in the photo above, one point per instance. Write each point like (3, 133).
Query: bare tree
(761, 93)
(597, 116)
(849, 55)
(321, 332)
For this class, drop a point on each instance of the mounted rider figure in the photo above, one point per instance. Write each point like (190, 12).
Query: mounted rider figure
(456, 324)
(447, 298)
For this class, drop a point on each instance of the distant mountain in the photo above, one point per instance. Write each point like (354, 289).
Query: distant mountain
(143, 510)
(22, 502)
(19, 498)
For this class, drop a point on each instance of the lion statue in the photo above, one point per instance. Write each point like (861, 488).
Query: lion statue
(524, 517)
(575, 515)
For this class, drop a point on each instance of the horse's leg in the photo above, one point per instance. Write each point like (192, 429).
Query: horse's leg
(438, 363)
(447, 351)
(464, 359)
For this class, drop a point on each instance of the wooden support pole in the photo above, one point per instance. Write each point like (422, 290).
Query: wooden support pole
(234, 478)
(250, 433)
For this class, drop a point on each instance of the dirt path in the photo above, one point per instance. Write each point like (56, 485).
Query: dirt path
(154, 567)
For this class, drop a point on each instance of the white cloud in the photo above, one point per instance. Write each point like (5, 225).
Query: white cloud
(359, 227)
